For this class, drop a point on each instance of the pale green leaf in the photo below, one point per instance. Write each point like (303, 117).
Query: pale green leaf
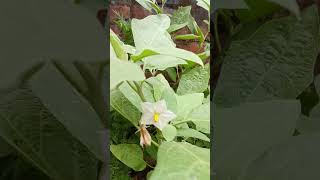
(169, 132)
(129, 154)
(200, 116)
(162, 90)
(162, 62)
(151, 38)
(187, 103)
(122, 105)
(194, 81)
(117, 46)
(131, 95)
(191, 133)
(180, 18)
(124, 70)
(205, 4)
(182, 161)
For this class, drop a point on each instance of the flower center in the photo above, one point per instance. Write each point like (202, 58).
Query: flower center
(156, 117)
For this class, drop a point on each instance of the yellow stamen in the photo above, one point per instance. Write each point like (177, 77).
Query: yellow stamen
(156, 117)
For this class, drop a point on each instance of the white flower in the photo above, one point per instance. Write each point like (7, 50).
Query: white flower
(145, 138)
(156, 114)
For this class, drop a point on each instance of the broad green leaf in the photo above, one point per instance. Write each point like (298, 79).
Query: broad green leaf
(186, 37)
(147, 90)
(123, 106)
(131, 95)
(162, 62)
(180, 18)
(122, 71)
(191, 133)
(118, 46)
(154, 29)
(194, 81)
(200, 116)
(144, 4)
(248, 130)
(169, 132)
(172, 73)
(130, 154)
(270, 64)
(162, 90)
(69, 107)
(187, 103)
(295, 159)
(182, 161)
(42, 140)
(205, 4)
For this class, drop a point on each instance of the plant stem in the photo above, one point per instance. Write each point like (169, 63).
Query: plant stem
(154, 143)
(139, 91)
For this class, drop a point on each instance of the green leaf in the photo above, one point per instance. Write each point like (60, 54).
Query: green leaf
(162, 90)
(191, 133)
(154, 29)
(194, 81)
(169, 132)
(130, 154)
(162, 62)
(117, 74)
(180, 18)
(186, 37)
(123, 106)
(144, 4)
(186, 103)
(200, 116)
(182, 161)
(295, 159)
(42, 140)
(131, 95)
(248, 130)
(248, 74)
(205, 4)
(118, 46)
(69, 107)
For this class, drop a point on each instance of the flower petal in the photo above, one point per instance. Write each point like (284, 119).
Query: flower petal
(147, 118)
(167, 116)
(160, 106)
(147, 107)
